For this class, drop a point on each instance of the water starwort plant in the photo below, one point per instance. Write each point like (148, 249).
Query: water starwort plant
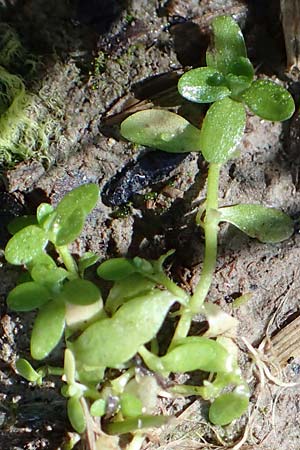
(112, 359)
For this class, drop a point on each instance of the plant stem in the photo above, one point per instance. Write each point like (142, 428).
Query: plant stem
(210, 226)
(68, 260)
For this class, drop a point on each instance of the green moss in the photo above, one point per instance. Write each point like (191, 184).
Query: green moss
(23, 133)
(25, 123)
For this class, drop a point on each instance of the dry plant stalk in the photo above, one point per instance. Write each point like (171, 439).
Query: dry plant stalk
(290, 17)
(286, 343)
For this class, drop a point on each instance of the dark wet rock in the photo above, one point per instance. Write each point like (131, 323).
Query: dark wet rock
(147, 170)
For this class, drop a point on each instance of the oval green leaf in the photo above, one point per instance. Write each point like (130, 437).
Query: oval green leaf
(66, 227)
(47, 329)
(84, 197)
(116, 269)
(48, 275)
(227, 44)
(87, 260)
(269, 101)
(69, 366)
(98, 408)
(80, 292)
(203, 85)
(131, 406)
(203, 354)
(28, 296)
(125, 289)
(136, 423)
(118, 339)
(26, 245)
(76, 415)
(222, 130)
(242, 67)
(43, 212)
(25, 369)
(265, 224)
(162, 130)
(228, 407)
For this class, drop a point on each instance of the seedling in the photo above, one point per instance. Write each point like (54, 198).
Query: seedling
(101, 336)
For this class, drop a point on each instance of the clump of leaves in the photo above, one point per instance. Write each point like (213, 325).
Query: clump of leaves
(105, 386)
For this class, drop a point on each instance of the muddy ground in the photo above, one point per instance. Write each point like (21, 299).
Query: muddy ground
(94, 56)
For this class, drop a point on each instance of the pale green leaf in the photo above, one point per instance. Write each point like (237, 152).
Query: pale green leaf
(116, 269)
(203, 354)
(203, 85)
(136, 423)
(47, 329)
(76, 415)
(98, 408)
(25, 369)
(227, 44)
(118, 339)
(26, 245)
(269, 100)
(84, 197)
(162, 130)
(28, 296)
(80, 292)
(66, 227)
(222, 130)
(125, 289)
(228, 407)
(43, 211)
(47, 274)
(265, 224)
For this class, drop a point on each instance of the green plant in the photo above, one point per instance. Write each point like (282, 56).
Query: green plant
(102, 376)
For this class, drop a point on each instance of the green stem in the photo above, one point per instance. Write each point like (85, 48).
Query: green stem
(210, 226)
(68, 260)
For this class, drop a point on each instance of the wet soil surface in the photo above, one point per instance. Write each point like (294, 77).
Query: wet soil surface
(100, 61)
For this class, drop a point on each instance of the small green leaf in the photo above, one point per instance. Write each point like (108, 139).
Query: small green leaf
(203, 354)
(43, 212)
(136, 423)
(227, 45)
(47, 329)
(69, 366)
(257, 221)
(42, 259)
(269, 100)
(162, 130)
(131, 406)
(98, 408)
(26, 245)
(222, 130)
(25, 369)
(76, 415)
(87, 260)
(203, 85)
(84, 197)
(80, 292)
(242, 67)
(18, 223)
(116, 269)
(47, 274)
(228, 407)
(125, 289)
(65, 228)
(118, 339)
(28, 296)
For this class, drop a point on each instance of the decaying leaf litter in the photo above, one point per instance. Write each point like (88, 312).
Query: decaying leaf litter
(268, 273)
